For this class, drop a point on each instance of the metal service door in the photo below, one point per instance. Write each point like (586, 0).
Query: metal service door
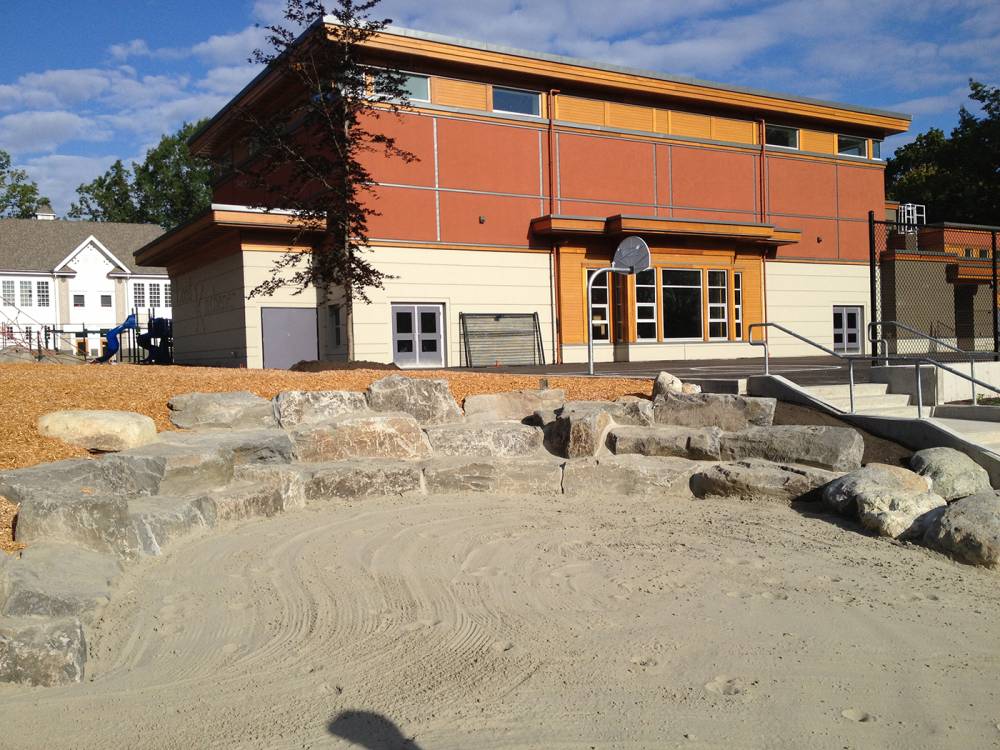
(288, 335)
(847, 322)
(418, 335)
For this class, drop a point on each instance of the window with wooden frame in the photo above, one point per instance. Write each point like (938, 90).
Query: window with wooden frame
(718, 305)
(600, 308)
(738, 305)
(645, 305)
(682, 304)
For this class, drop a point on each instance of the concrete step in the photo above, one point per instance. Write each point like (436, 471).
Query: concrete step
(863, 403)
(903, 412)
(860, 389)
(984, 433)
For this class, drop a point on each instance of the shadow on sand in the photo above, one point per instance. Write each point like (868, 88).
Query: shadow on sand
(369, 730)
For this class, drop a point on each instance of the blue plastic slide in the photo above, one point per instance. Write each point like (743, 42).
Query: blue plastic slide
(113, 345)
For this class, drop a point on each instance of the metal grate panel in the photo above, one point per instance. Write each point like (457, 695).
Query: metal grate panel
(501, 338)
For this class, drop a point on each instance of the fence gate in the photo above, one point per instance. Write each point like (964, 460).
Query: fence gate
(501, 338)
(937, 278)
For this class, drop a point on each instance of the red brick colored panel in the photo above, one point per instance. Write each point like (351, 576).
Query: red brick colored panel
(859, 191)
(413, 133)
(819, 238)
(611, 169)
(739, 217)
(406, 214)
(853, 240)
(705, 178)
(798, 186)
(507, 220)
(582, 208)
(493, 158)
(663, 192)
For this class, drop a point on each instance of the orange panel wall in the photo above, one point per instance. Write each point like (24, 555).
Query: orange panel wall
(605, 169)
(406, 214)
(413, 133)
(801, 187)
(859, 190)
(494, 158)
(506, 219)
(713, 179)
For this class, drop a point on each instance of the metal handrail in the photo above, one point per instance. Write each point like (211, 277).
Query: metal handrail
(805, 340)
(902, 326)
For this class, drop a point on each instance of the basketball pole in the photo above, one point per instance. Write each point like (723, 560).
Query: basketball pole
(590, 314)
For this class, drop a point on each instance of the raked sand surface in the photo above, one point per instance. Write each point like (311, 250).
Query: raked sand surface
(501, 622)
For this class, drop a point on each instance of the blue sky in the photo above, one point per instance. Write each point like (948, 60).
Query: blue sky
(86, 82)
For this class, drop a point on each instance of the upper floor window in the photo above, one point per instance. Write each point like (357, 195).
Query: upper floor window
(79, 301)
(105, 300)
(26, 295)
(7, 292)
(876, 149)
(850, 145)
(779, 135)
(42, 290)
(417, 87)
(517, 101)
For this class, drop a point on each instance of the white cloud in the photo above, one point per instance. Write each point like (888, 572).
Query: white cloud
(58, 175)
(34, 131)
(230, 49)
(135, 48)
(228, 79)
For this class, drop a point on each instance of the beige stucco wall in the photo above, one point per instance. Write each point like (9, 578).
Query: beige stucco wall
(801, 296)
(210, 314)
(62, 292)
(470, 281)
(651, 352)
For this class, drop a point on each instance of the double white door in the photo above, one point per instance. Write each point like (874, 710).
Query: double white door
(418, 335)
(847, 322)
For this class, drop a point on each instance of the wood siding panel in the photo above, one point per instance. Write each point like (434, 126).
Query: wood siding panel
(817, 142)
(465, 94)
(690, 125)
(734, 131)
(575, 109)
(661, 121)
(629, 117)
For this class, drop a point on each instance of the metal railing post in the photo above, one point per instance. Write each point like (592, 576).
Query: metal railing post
(972, 371)
(850, 371)
(920, 394)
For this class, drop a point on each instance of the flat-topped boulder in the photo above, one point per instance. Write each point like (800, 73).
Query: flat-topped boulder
(757, 480)
(952, 474)
(630, 411)
(156, 521)
(889, 500)
(512, 405)
(723, 410)
(262, 445)
(98, 522)
(289, 480)
(499, 439)
(42, 652)
(370, 478)
(968, 529)
(179, 466)
(538, 476)
(98, 430)
(244, 499)
(81, 476)
(385, 435)
(428, 401)
(627, 475)
(697, 443)
(56, 580)
(293, 408)
(832, 448)
(238, 410)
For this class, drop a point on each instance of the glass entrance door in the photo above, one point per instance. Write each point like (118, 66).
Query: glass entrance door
(418, 335)
(847, 322)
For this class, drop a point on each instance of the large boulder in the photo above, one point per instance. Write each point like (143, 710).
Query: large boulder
(698, 443)
(178, 468)
(665, 383)
(260, 446)
(969, 529)
(579, 434)
(629, 411)
(156, 521)
(724, 410)
(757, 480)
(371, 478)
(952, 473)
(245, 500)
(832, 448)
(239, 410)
(299, 407)
(516, 405)
(84, 476)
(99, 430)
(389, 435)
(96, 521)
(499, 476)
(42, 652)
(56, 580)
(289, 480)
(428, 401)
(610, 476)
(888, 500)
(500, 439)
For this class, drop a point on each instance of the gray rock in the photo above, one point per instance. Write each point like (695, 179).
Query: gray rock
(181, 469)
(515, 405)
(757, 480)
(72, 476)
(665, 383)
(245, 500)
(264, 446)
(610, 476)
(833, 448)
(288, 479)
(969, 529)
(888, 500)
(499, 476)
(239, 410)
(42, 653)
(156, 521)
(99, 430)
(500, 439)
(389, 435)
(952, 473)
(579, 434)
(428, 401)
(56, 580)
(97, 522)
(723, 410)
(301, 407)
(372, 478)
(698, 443)
(625, 412)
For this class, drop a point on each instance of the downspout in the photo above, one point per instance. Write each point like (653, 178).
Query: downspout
(554, 263)
(763, 218)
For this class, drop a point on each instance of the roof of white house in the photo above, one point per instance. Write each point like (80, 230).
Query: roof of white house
(33, 245)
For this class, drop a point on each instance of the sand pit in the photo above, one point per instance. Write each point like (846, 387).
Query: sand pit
(479, 622)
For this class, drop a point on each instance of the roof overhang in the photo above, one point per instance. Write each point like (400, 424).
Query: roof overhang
(750, 233)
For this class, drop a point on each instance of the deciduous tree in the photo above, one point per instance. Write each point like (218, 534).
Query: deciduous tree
(19, 196)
